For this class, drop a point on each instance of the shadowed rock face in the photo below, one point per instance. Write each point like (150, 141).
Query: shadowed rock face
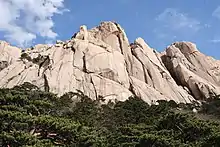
(105, 64)
(3, 64)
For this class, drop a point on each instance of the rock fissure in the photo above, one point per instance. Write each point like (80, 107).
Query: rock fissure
(84, 63)
(120, 43)
(46, 84)
(131, 88)
(96, 94)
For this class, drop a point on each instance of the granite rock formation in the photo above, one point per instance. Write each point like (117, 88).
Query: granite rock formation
(105, 64)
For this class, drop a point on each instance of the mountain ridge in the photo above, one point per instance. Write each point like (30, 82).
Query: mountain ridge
(102, 62)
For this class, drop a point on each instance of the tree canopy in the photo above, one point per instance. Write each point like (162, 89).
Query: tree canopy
(30, 117)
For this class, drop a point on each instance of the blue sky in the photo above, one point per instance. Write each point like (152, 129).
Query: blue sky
(159, 22)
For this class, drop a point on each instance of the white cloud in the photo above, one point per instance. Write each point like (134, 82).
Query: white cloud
(23, 20)
(216, 12)
(215, 41)
(175, 20)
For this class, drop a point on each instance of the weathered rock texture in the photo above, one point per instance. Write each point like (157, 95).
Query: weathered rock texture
(8, 54)
(104, 64)
(192, 69)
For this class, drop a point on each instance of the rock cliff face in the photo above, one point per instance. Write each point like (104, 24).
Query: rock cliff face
(104, 64)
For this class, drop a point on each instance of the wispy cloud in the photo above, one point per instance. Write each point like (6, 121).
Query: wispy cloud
(215, 41)
(164, 34)
(216, 12)
(22, 21)
(175, 20)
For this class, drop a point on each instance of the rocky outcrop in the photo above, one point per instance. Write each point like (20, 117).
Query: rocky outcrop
(8, 54)
(155, 73)
(192, 69)
(104, 64)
